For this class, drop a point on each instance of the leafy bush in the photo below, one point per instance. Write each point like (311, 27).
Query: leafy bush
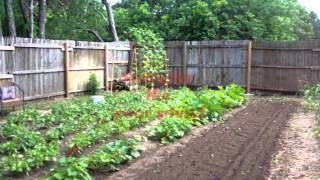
(170, 129)
(93, 85)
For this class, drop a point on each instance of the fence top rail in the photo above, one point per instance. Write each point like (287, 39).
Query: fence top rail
(57, 44)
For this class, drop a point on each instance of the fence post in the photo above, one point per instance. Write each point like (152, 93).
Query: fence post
(249, 50)
(130, 65)
(112, 71)
(106, 67)
(184, 62)
(66, 69)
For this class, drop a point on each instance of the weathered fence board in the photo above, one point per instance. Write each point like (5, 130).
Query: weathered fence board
(285, 66)
(38, 65)
(210, 63)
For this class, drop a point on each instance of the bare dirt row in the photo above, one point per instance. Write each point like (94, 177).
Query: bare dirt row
(240, 148)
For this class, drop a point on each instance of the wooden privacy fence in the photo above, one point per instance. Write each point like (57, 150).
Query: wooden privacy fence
(210, 63)
(275, 66)
(46, 68)
(285, 66)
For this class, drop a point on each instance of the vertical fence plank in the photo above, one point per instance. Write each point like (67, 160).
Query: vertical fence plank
(106, 59)
(66, 66)
(249, 67)
(112, 70)
(184, 62)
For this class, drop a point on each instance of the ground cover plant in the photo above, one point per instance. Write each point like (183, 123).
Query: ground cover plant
(312, 96)
(30, 139)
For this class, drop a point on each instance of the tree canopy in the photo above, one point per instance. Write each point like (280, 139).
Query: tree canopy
(173, 19)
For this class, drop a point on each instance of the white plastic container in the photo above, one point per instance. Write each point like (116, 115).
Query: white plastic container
(97, 99)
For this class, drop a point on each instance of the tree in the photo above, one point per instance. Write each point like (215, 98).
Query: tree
(315, 25)
(10, 18)
(216, 19)
(27, 14)
(78, 20)
(42, 18)
(112, 24)
(171, 19)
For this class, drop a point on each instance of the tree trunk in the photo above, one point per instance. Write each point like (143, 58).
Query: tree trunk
(42, 18)
(112, 24)
(31, 22)
(27, 14)
(10, 18)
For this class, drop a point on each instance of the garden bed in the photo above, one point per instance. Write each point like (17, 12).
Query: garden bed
(77, 138)
(240, 148)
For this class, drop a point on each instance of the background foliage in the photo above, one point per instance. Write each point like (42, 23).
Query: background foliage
(176, 19)
(151, 49)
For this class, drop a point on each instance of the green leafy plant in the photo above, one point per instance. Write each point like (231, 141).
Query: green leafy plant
(70, 168)
(32, 158)
(311, 94)
(25, 148)
(317, 131)
(115, 153)
(170, 129)
(93, 85)
(106, 157)
(151, 50)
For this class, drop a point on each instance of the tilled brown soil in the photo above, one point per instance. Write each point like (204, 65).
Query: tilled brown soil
(241, 148)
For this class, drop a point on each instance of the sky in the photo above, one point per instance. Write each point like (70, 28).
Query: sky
(114, 1)
(311, 5)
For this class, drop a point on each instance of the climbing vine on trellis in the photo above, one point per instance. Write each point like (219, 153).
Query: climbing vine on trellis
(151, 51)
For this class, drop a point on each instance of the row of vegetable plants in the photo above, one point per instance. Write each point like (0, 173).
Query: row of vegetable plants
(107, 157)
(185, 109)
(195, 109)
(31, 139)
(24, 148)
